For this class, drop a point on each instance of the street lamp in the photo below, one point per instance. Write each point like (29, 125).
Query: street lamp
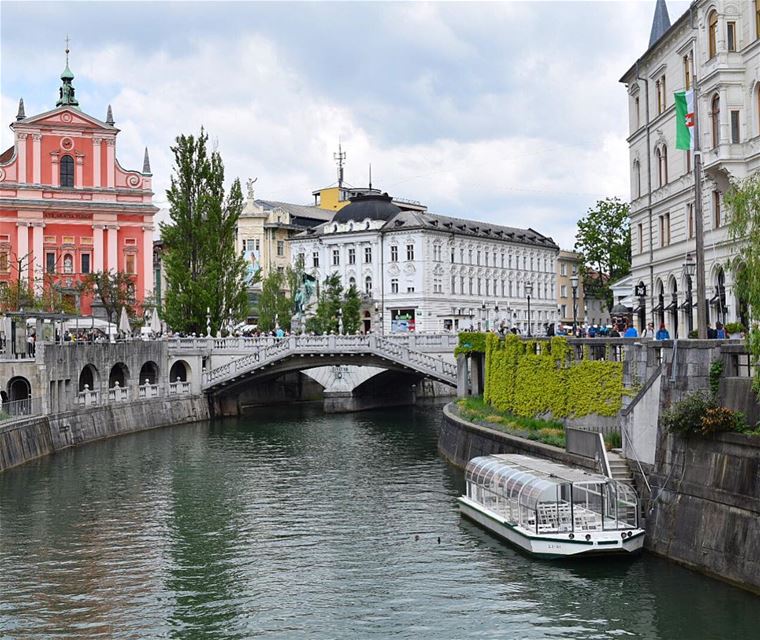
(496, 325)
(484, 314)
(340, 322)
(574, 283)
(378, 317)
(689, 269)
(528, 294)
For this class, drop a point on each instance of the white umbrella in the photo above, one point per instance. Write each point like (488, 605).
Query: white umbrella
(155, 323)
(124, 322)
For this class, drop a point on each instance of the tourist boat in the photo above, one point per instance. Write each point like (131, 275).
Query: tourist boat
(551, 510)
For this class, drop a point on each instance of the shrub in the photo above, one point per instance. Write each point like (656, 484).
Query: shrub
(698, 413)
(735, 327)
(613, 440)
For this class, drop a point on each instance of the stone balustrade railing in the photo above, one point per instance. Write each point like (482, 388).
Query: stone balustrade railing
(390, 348)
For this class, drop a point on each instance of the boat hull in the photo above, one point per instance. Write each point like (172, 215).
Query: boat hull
(554, 546)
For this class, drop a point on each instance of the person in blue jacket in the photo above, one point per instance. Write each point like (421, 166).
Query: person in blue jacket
(662, 333)
(631, 332)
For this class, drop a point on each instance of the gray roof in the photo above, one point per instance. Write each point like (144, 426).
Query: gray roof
(661, 22)
(298, 210)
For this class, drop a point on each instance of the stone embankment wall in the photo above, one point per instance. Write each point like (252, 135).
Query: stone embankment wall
(38, 436)
(705, 511)
(461, 440)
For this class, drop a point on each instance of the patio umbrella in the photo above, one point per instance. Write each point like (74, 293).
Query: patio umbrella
(124, 322)
(155, 323)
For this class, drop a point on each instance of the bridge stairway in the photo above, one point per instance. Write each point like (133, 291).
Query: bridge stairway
(619, 468)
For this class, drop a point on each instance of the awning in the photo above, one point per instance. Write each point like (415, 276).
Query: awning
(641, 307)
(685, 305)
(671, 306)
(657, 308)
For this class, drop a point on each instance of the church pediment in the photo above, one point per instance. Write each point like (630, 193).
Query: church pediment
(65, 117)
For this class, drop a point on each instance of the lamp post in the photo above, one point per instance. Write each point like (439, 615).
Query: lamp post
(379, 317)
(528, 294)
(496, 315)
(689, 269)
(574, 283)
(340, 322)
(484, 313)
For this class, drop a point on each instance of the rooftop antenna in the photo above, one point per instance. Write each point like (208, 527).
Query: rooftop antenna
(340, 158)
(370, 176)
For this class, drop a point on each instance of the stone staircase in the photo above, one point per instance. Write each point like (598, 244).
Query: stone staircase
(619, 467)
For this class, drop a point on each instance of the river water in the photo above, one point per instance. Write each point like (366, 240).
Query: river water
(294, 524)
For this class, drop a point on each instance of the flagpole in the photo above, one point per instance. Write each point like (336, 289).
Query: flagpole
(698, 214)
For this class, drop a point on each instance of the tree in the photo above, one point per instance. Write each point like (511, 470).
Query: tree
(326, 318)
(203, 269)
(351, 306)
(604, 241)
(274, 306)
(743, 202)
(115, 289)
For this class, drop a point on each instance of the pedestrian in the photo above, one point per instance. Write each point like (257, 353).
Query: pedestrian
(649, 331)
(662, 333)
(631, 332)
(712, 334)
(720, 331)
(550, 329)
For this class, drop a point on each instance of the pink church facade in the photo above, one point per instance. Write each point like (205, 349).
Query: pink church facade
(68, 208)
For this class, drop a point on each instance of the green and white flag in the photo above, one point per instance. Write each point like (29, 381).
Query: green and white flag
(684, 119)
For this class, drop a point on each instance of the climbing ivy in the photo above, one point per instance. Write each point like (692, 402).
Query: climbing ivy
(471, 341)
(528, 382)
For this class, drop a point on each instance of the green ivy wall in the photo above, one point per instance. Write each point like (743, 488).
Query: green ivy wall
(531, 378)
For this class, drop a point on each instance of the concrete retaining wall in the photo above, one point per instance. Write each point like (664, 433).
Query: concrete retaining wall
(706, 511)
(460, 441)
(43, 435)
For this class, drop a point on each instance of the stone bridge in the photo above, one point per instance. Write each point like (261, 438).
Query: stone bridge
(419, 354)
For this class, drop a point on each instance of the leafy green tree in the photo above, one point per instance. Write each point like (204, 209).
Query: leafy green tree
(203, 269)
(326, 318)
(604, 240)
(351, 308)
(275, 307)
(115, 290)
(743, 203)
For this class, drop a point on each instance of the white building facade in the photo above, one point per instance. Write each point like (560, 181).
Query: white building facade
(722, 38)
(423, 272)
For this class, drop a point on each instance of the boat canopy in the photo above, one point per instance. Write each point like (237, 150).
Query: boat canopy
(530, 481)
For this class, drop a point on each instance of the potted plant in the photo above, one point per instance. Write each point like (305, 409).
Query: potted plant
(735, 330)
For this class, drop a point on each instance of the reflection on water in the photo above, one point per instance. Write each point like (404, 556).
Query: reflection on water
(293, 524)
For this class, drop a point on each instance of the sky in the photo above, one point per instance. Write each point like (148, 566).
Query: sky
(505, 112)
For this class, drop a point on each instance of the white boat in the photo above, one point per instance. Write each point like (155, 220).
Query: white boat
(551, 510)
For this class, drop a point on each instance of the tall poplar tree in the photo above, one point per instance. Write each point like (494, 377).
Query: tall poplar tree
(203, 269)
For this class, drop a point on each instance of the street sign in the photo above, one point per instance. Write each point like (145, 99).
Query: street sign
(640, 291)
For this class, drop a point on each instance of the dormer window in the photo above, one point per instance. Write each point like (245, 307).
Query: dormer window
(67, 171)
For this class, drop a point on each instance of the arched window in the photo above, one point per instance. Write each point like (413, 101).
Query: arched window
(715, 118)
(712, 33)
(662, 165)
(368, 285)
(67, 171)
(636, 179)
(68, 263)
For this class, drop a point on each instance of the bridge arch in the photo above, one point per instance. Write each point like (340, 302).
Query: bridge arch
(19, 388)
(148, 373)
(89, 377)
(119, 373)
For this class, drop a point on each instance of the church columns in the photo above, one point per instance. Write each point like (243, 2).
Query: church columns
(39, 257)
(113, 262)
(147, 260)
(22, 247)
(110, 162)
(79, 168)
(56, 171)
(21, 151)
(36, 159)
(97, 247)
(96, 162)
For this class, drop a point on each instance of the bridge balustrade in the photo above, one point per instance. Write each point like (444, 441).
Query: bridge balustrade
(118, 394)
(148, 390)
(88, 397)
(179, 388)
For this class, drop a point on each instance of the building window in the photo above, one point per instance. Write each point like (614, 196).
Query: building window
(757, 19)
(368, 255)
(563, 291)
(129, 263)
(336, 257)
(690, 219)
(315, 259)
(469, 256)
(351, 255)
(662, 165)
(410, 252)
(250, 245)
(470, 285)
(735, 127)
(50, 263)
(410, 289)
(715, 120)
(461, 285)
(563, 269)
(661, 94)
(437, 252)
(712, 33)
(502, 260)
(394, 253)
(453, 284)
(85, 263)
(510, 288)
(665, 230)
(480, 287)
(368, 285)
(67, 171)
(731, 36)
(394, 285)
(452, 255)
(637, 113)
(716, 209)
(686, 72)
(4, 264)
(488, 287)
(636, 179)
(641, 237)
(280, 247)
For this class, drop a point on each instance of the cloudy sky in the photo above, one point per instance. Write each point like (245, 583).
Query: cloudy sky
(509, 112)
